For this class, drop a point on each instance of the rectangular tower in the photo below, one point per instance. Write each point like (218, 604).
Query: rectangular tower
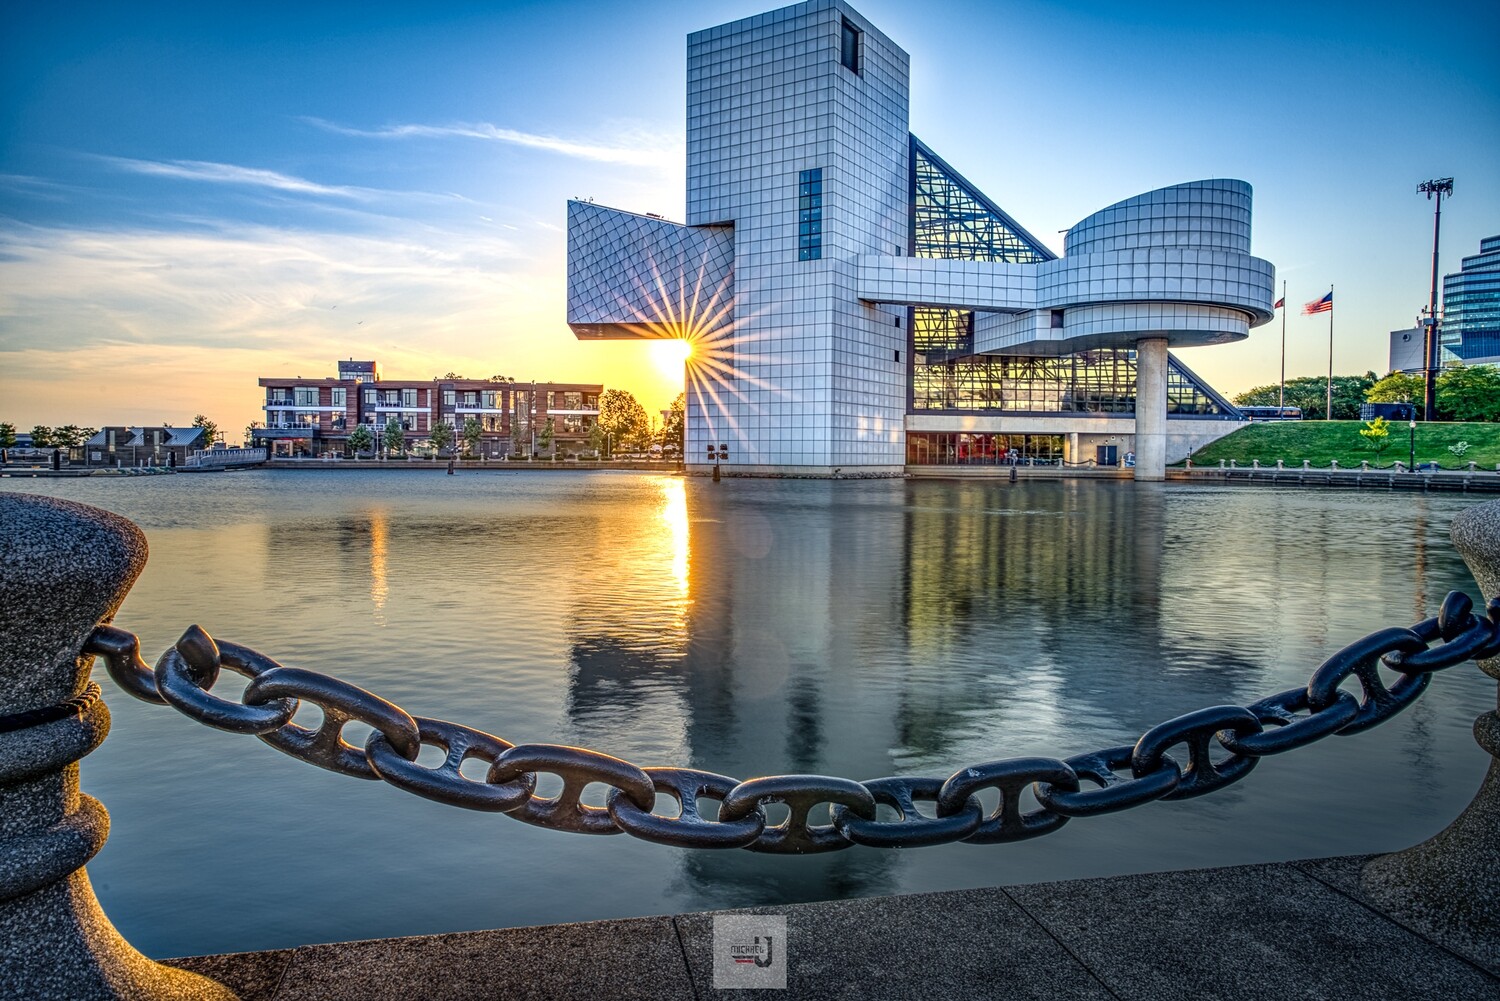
(797, 135)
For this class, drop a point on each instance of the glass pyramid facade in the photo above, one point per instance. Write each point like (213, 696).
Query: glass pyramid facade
(952, 219)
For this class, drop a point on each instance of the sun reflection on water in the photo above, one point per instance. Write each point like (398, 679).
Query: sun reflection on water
(379, 585)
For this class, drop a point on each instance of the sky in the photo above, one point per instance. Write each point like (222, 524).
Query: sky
(193, 195)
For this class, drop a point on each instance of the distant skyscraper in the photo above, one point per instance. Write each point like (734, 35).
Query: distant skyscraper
(1471, 308)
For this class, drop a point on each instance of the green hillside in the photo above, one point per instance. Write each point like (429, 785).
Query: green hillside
(1324, 441)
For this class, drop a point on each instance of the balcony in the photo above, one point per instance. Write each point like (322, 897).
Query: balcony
(275, 430)
(411, 408)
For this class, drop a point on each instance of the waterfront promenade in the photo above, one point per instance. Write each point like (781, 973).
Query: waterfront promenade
(1299, 929)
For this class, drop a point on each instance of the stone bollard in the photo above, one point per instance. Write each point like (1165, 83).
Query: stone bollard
(1364, 465)
(1255, 463)
(64, 568)
(1306, 463)
(1234, 464)
(1333, 464)
(1280, 464)
(1472, 465)
(1221, 465)
(1449, 886)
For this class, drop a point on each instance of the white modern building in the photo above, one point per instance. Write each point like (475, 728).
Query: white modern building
(857, 307)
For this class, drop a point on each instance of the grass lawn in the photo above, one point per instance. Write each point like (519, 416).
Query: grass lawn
(1322, 441)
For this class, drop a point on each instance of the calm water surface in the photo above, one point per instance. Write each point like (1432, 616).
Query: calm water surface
(750, 627)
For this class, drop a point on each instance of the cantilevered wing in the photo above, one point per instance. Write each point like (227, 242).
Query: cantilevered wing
(635, 276)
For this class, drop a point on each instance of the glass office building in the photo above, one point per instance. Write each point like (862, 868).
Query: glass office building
(1470, 332)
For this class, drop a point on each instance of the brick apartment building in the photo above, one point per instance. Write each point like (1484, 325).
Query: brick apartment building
(315, 416)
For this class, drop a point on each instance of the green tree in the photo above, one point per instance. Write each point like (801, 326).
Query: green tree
(250, 432)
(361, 439)
(1398, 387)
(70, 436)
(624, 419)
(7, 435)
(549, 432)
(1378, 434)
(473, 432)
(452, 375)
(41, 436)
(1310, 393)
(596, 438)
(441, 436)
(1469, 393)
(674, 428)
(394, 436)
(210, 430)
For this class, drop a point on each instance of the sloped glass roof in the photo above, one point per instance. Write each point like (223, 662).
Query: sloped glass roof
(952, 219)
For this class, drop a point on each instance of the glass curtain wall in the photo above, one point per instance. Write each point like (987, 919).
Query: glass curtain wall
(952, 219)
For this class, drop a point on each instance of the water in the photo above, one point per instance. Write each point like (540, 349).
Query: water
(749, 627)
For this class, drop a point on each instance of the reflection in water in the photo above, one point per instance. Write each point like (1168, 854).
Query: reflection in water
(379, 588)
(748, 627)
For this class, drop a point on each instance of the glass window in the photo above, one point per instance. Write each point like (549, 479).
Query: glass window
(305, 396)
(447, 397)
(849, 46)
(408, 397)
(810, 215)
(337, 396)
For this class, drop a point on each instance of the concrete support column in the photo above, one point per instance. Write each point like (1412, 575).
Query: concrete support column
(1151, 408)
(1072, 454)
(64, 568)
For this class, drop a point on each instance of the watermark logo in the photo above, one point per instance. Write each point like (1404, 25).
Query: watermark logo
(749, 951)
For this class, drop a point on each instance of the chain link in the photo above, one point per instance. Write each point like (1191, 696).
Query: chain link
(1282, 722)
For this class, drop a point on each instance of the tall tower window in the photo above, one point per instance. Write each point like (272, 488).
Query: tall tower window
(810, 215)
(849, 46)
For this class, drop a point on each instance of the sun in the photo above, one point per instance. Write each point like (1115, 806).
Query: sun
(670, 355)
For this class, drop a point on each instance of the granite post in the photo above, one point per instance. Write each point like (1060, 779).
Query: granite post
(1448, 887)
(64, 568)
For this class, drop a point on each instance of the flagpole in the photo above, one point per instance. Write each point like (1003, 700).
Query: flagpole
(1330, 353)
(1281, 393)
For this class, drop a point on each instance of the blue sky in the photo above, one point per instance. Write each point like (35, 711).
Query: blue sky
(194, 195)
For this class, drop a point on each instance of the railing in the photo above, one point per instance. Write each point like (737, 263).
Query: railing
(226, 456)
(86, 560)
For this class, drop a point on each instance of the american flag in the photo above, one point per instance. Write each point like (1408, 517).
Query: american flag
(1322, 305)
(1279, 303)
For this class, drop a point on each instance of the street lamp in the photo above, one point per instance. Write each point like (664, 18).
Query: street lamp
(1439, 187)
(1412, 444)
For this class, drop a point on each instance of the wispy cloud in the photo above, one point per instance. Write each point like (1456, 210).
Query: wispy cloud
(638, 149)
(229, 173)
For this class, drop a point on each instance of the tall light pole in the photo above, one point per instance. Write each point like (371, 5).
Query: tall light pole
(1439, 187)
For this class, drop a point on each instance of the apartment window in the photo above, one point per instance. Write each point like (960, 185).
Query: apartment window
(371, 395)
(849, 39)
(491, 399)
(448, 397)
(1057, 319)
(305, 396)
(810, 215)
(408, 397)
(337, 397)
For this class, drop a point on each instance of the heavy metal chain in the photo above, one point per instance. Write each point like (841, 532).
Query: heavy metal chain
(1221, 745)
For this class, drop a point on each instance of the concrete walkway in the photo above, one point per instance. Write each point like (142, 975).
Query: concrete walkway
(1290, 930)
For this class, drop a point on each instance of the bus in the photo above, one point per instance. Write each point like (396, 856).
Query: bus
(1271, 413)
